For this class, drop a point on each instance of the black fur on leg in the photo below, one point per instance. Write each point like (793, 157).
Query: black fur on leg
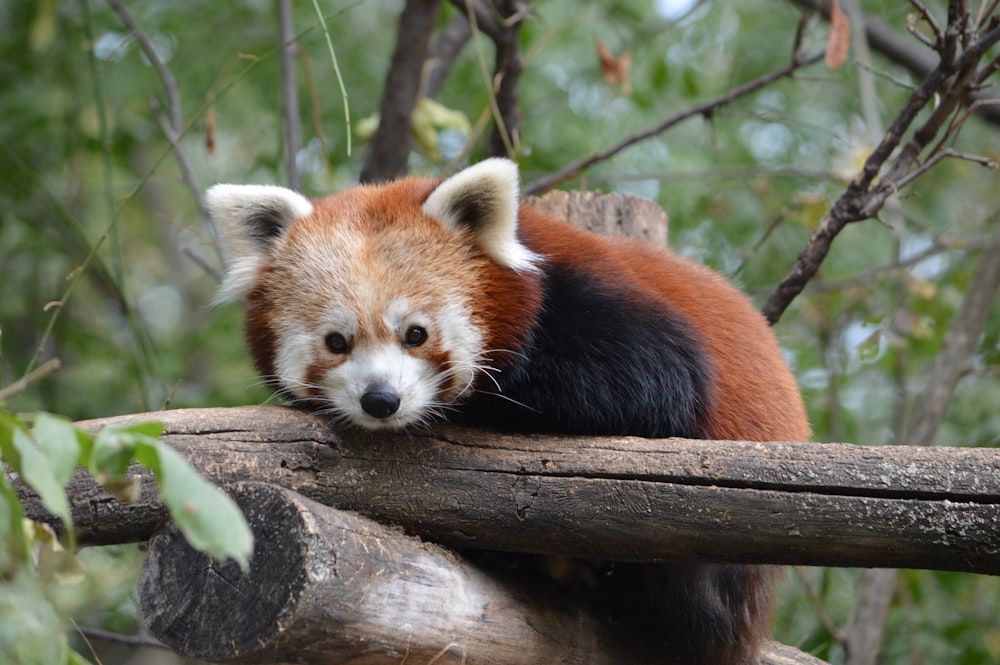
(696, 613)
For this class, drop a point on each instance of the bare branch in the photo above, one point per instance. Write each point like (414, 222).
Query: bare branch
(931, 21)
(169, 82)
(187, 173)
(919, 61)
(484, 17)
(955, 358)
(171, 120)
(389, 151)
(865, 279)
(705, 109)
(504, 139)
(952, 80)
(445, 51)
(147, 641)
(40, 372)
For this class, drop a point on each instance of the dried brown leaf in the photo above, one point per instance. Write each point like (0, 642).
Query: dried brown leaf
(838, 42)
(615, 69)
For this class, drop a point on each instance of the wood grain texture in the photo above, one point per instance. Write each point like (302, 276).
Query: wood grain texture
(613, 498)
(329, 586)
(608, 214)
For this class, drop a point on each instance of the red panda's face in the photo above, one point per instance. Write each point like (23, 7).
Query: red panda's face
(372, 322)
(367, 303)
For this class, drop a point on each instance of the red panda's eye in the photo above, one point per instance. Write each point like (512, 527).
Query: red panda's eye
(337, 343)
(415, 336)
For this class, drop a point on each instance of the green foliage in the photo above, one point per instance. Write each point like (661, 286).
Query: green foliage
(44, 457)
(98, 229)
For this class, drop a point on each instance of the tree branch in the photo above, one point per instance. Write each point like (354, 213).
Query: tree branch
(505, 139)
(290, 93)
(615, 498)
(383, 595)
(951, 81)
(919, 61)
(389, 151)
(446, 49)
(705, 109)
(171, 120)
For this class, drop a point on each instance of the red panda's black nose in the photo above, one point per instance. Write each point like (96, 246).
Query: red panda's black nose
(380, 401)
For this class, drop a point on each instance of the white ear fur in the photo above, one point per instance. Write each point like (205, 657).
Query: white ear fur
(484, 197)
(247, 218)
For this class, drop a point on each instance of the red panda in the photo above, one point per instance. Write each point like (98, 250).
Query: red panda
(390, 306)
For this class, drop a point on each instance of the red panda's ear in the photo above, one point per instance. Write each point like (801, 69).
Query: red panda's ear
(247, 218)
(484, 198)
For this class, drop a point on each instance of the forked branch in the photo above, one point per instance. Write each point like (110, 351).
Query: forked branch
(950, 84)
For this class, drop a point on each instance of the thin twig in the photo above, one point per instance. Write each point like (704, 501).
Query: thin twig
(813, 599)
(930, 20)
(43, 370)
(187, 173)
(171, 120)
(867, 278)
(490, 83)
(896, 47)
(289, 93)
(336, 71)
(485, 18)
(704, 109)
(201, 263)
(865, 196)
(109, 636)
(166, 77)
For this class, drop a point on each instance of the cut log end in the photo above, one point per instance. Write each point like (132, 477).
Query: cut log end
(328, 586)
(608, 214)
(188, 597)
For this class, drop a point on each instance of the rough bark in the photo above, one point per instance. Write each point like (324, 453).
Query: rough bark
(329, 586)
(618, 498)
(608, 214)
(504, 139)
(389, 152)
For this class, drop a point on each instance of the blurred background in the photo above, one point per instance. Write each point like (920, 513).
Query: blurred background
(107, 263)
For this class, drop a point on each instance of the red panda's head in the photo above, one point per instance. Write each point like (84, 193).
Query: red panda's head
(379, 304)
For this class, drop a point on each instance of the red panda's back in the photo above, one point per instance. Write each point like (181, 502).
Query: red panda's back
(754, 395)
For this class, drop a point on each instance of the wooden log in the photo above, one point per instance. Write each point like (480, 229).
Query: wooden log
(328, 586)
(608, 214)
(613, 498)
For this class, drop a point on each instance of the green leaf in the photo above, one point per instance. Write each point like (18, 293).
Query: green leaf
(209, 519)
(13, 546)
(53, 561)
(76, 658)
(58, 440)
(115, 446)
(35, 468)
(31, 631)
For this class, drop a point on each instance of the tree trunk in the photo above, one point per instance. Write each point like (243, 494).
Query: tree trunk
(608, 214)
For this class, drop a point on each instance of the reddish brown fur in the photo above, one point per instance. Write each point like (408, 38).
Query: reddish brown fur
(752, 397)
(748, 366)
(749, 369)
